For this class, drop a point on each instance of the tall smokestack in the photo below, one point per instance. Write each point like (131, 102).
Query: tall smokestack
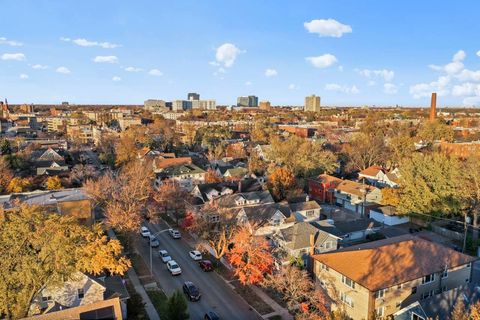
(433, 107)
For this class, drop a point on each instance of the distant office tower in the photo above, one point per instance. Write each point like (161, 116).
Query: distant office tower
(312, 103)
(204, 104)
(433, 107)
(181, 105)
(153, 104)
(265, 105)
(247, 101)
(193, 96)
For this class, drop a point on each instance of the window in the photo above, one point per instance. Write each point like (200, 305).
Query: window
(428, 279)
(380, 311)
(349, 282)
(427, 294)
(310, 213)
(379, 294)
(328, 245)
(324, 267)
(276, 222)
(417, 317)
(46, 298)
(414, 290)
(346, 299)
(80, 293)
(399, 287)
(444, 274)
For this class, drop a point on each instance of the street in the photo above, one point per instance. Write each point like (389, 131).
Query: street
(216, 294)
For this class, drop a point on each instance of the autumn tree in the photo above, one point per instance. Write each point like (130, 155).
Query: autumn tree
(6, 174)
(390, 197)
(280, 182)
(123, 196)
(39, 249)
(250, 257)
(470, 189)
(431, 131)
(256, 165)
(53, 183)
(81, 173)
(18, 184)
(304, 158)
(171, 199)
(292, 283)
(212, 177)
(430, 185)
(126, 147)
(364, 151)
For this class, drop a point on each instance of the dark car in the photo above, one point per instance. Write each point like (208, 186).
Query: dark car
(211, 316)
(191, 291)
(206, 265)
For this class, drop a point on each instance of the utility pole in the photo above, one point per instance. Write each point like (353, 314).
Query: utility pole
(465, 225)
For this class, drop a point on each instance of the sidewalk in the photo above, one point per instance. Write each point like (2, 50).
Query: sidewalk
(279, 310)
(132, 276)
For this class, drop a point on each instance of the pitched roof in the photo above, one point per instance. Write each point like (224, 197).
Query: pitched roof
(371, 171)
(326, 178)
(385, 263)
(163, 163)
(355, 188)
(298, 235)
(301, 206)
(262, 213)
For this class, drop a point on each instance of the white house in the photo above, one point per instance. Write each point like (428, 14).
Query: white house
(388, 216)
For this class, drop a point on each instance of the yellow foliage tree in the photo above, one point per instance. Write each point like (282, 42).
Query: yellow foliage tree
(53, 183)
(18, 184)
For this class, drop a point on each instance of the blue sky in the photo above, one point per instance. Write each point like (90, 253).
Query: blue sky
(349, 52)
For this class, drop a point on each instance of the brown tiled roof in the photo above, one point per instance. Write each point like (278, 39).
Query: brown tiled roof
(385, 263)
(161, 163)
(325, 178)
(352, 187)
(371, 171)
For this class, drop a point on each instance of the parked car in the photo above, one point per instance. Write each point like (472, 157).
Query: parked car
(145, 232)
(195, 255)
(175, 233)
(206, 265)
(211, 316)
(174, 268)
(191, 290)
(163, 254)
(154, 243)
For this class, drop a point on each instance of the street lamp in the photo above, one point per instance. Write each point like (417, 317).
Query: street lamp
(150, 245)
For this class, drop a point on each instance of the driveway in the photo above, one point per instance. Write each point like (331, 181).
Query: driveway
(216, 294)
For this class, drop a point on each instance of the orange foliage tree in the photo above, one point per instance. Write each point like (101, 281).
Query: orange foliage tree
(280, 181)
(171, 199)
(250, 257)
(212, 177)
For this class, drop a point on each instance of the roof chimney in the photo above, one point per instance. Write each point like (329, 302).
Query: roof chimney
(433, 107)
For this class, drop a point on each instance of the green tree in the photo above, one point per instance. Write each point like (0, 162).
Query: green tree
(177, 308)
(5, 147)
(39, 249)
(430, 131)
(430, 184)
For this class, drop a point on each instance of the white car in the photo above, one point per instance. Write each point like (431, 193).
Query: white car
(175, 233)
(163, 254)
(145, 232)
(174, 268)
(195, 255)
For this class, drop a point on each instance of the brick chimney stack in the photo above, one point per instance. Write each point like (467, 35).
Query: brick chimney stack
(433, 107)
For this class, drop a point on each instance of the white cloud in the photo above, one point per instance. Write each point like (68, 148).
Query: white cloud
(387, 75)
(454, 67)
(248, 83)
(13, 56)
(105, 59)
(371, 83)
(155, 72)
(478, 53)
(63, 70)
(344, 89)
(226, 54)
(327, 28)
(116, 78)
(468, 75)
(39, 67)
(292, 86)
(24, 76)
(466, 89)
(390, 88)
(133, 69)
(271, 73)
(323, 61)
(87, 43)
(340, 68)
(472, 101)
(11, 43)
(422, 90)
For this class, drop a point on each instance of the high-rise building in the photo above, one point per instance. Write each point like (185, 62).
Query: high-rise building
(265, 105)
(181, 105)
(154, 104)
(247, 101)
(193, 96)
(204, 104)
(312, 103)
(433, 106)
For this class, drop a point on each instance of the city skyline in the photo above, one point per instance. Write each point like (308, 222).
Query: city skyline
(350, 54)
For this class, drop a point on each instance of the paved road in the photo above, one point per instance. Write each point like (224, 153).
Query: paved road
(216, 294)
